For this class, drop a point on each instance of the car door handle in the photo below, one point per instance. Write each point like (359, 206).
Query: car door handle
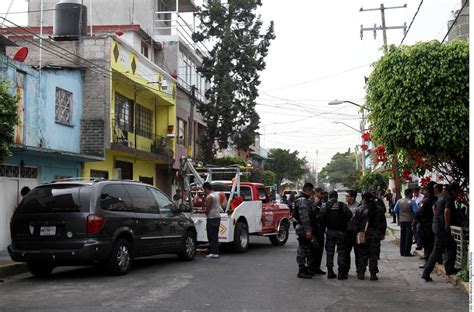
(181, 223)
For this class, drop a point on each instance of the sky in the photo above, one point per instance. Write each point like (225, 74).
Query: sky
(318, 56)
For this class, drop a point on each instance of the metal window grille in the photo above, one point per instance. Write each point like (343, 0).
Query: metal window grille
(123, 113)
(144, 122)
(63, 106)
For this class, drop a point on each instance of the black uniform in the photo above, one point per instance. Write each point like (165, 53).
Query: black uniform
(443, 240)
(334, 216)
(368, 253)
(424, 217)
(318, 233)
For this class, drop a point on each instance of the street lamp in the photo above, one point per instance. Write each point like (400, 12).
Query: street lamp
(362, 123)
(343, 123)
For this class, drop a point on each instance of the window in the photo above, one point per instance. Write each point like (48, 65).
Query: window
(144, 49)
(142, 198)
(114, 197)
(262, 195)
(181, 132)
(246, 193)
(63, 107)
(54, 199)
(164, 203)
(144, 122)
(99, 174)
(123, 113)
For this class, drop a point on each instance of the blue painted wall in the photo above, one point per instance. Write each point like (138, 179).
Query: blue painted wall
(40, 128)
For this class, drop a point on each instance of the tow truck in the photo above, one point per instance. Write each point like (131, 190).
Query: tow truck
(249, 209)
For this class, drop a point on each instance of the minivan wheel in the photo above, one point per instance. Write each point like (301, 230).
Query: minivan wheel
(120, 259)
(40, 269)
(188, 251)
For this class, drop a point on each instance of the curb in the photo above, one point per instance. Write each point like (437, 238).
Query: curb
(13, 268)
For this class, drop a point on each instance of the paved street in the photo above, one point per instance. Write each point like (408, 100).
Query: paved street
(263, 279)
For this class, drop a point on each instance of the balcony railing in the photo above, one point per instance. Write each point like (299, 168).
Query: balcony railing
(171, 23)
(152, 143)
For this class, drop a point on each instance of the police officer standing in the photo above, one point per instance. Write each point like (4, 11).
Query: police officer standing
(370, 218)
(335, 215)
(304, 231)
(317, 245)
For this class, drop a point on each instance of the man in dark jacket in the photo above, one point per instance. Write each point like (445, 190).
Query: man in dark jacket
(444, 215)
(334, 216)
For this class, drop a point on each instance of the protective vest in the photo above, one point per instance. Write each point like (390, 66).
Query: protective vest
(335, 218)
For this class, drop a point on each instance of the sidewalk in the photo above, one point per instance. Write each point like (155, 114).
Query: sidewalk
(457, 281)
(9, 267)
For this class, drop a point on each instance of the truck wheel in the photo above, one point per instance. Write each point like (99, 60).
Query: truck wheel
(40, 269)
(120, 259)
(241, 238)
(188, 251)
(281, 237)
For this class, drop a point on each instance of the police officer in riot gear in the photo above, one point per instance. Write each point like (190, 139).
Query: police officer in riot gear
(317, 247)
(369, 218)
(304, 231)
(335, 215)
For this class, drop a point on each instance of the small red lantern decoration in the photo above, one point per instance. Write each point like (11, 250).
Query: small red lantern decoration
(119, 33)
(21, 54)
(174, 74)
(170, 129)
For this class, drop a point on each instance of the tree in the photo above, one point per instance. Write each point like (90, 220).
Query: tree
(232, 67)
(268, 178)
(374, 180)
(418, 98)
(341, 169)
(8, 119)
(285, 165)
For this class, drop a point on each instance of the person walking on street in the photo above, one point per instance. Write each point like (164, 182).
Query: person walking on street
(390, 202)
(424, 217)
(406, 208)
(444, 216)
(213, 204)
(304, 231)
(335, 215)
(371, 219)
(351, 233)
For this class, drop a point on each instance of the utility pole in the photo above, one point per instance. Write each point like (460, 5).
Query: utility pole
(191, 121)
(316, 168)
(383, 27)
(396, 175)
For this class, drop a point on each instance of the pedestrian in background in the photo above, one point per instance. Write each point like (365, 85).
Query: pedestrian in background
(417, 237)
(371, 219)
(335, 215)
(214, 203)
(390, 203)
(304, 231)
(24, 191)
(351, 233)
(406, 208)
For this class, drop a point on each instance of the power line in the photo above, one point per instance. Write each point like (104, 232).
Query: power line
(320, 78)
(411, 23)
(454, 22)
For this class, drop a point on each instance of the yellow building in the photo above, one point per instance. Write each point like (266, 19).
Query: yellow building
(142, 119)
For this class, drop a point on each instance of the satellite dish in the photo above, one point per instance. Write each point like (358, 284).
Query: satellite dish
(21, 54)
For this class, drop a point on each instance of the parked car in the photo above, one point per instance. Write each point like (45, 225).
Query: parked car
(107, 223)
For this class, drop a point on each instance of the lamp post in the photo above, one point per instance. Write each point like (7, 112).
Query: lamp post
(362, 123)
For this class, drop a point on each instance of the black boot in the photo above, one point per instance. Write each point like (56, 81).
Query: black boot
(331, 273)
(341, 276)
(361, 276)
(303, 273)
(373, 277)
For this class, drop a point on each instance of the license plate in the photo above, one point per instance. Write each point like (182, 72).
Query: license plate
(47, 230)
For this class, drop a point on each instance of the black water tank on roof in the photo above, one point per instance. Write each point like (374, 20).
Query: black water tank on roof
(69, 20)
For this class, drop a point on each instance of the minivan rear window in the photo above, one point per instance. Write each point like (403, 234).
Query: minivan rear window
(54, 198)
